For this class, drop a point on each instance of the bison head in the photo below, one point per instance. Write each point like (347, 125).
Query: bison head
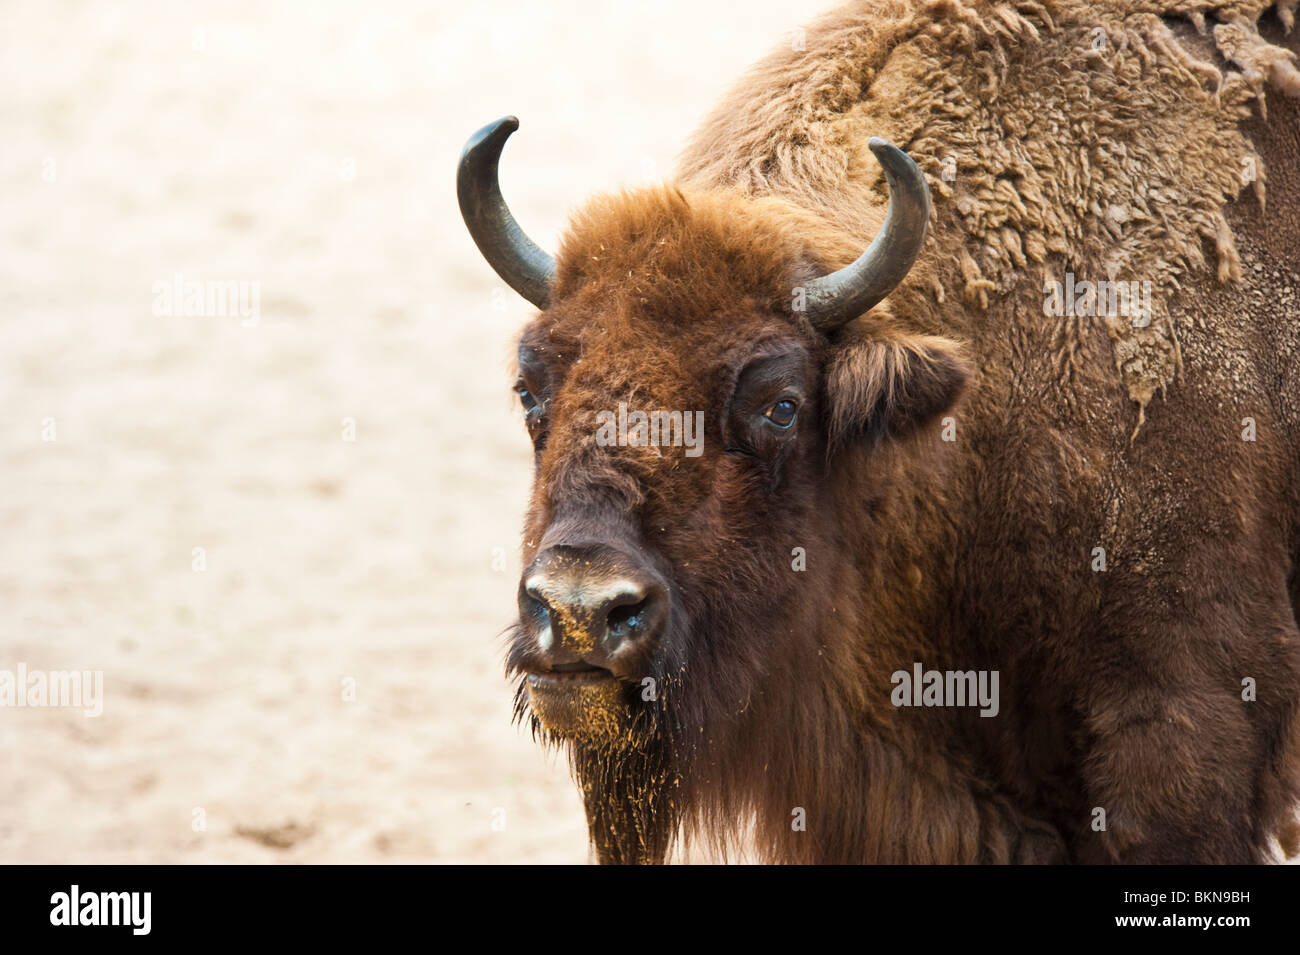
(703, 400)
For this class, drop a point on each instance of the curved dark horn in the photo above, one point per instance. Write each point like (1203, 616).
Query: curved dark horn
(842, 296)
(515, 257)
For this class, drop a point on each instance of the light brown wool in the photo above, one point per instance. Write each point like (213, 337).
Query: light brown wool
(1031, 182)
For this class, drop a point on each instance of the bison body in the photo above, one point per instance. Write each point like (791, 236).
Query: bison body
(977, 474)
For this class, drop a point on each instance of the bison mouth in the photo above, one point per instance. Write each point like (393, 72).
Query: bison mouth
(568, 674)
(578, 701)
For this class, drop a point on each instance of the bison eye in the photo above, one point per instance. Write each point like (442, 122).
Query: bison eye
(782, 413)
(534, 409)
(526, 399)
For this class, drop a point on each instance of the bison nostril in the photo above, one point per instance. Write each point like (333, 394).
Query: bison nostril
(625, 621)
(633, 618)
(535, 601)
(533, 588)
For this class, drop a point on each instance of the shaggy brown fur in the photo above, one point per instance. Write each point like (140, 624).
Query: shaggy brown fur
(1100, 138)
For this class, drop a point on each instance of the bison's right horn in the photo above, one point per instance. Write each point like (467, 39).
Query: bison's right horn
(515, 257)
(842, 296)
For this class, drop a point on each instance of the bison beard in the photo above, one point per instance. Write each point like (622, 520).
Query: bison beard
(948, 460)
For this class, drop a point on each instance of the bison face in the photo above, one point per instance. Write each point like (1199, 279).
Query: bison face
(700, 391)
(692, 434)
(676, 470)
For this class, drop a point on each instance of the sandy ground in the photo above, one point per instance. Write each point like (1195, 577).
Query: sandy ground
(309, 148)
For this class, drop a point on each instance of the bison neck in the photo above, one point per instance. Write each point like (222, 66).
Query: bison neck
(818, 756)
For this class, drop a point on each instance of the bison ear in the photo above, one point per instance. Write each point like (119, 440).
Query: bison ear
(885, 386)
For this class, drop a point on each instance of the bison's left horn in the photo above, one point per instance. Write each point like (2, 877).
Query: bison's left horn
(842, 296)
(517, 259)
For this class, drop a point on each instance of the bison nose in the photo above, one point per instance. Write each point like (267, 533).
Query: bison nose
(594, 618)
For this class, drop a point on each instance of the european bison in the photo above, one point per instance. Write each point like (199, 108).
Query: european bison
(988, 548)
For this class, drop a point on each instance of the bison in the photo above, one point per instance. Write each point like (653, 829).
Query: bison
(1038, 444)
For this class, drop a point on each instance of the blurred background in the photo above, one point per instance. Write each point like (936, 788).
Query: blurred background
(288, 536)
